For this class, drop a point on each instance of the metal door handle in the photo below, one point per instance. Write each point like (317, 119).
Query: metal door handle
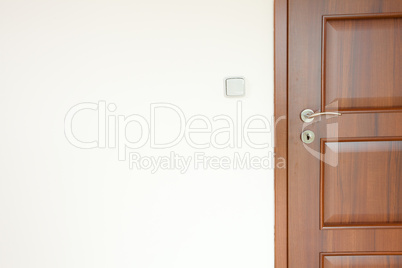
(308, 115)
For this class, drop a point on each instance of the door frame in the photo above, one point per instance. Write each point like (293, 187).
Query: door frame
(281, 130)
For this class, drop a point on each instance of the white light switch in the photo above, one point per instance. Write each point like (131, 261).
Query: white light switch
(235, 86)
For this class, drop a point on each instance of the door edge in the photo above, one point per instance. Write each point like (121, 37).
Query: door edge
(281, 131)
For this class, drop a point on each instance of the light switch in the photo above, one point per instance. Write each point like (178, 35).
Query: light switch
(235, 86)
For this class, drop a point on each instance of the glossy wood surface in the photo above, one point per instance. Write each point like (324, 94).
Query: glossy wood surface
(281, 133)
(362, 58)
(371, 118)
(367, 260)
(365, 187)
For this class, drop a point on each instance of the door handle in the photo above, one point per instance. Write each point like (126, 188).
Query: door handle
(308, 115)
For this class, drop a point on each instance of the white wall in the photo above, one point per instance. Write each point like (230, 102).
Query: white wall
(61, 206)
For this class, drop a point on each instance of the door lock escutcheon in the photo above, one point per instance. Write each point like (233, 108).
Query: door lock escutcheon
(308, 136)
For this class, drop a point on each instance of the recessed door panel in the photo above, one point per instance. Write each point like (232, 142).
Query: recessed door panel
(365, 187)
(362, 63)
(362, 261)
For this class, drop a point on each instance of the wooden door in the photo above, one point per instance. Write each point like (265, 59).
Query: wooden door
(344, 190)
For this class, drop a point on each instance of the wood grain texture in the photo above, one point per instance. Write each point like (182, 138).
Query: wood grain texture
(364, 189)
(281, 184)
(362, 260)
(362, 59)
(305, 238)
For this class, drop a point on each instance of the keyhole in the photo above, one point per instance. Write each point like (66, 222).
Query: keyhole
(307, 136)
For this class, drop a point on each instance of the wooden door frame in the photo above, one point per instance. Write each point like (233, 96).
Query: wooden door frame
(281, 130)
